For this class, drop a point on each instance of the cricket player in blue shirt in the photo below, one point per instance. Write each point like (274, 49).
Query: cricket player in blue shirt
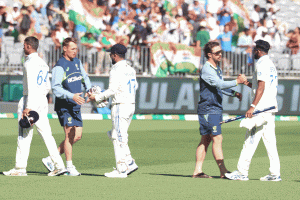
(68, 75)
(212, 86)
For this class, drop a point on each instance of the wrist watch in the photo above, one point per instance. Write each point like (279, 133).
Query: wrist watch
(252, 105)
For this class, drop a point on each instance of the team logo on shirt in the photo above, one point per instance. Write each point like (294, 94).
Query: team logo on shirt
(70, 120)
(67, 69)
(76, 66)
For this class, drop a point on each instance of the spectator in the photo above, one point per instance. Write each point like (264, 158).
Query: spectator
(202, 36)
(294, 41)
(106, 17)
(198, 9)
(264, 36)
(182, 8)
(36, 21)
(3, 15)
(255, 15)
(245, 41)
(225, 39)
(225, 14)
(214, 6)
(213, 27)
(59, 35)
(25, 24)
(12, 31)
(260, 27)
(15, 14)
(89, 41)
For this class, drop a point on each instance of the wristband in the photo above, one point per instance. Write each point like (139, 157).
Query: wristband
(252, 105)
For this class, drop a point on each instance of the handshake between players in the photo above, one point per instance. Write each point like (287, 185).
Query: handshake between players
(96, 96)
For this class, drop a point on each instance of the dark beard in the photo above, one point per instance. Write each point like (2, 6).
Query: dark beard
(256, 56)
(113, 61)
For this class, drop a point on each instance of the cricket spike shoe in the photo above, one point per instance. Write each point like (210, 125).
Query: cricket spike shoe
(236, 175)
(57, 172)
(48, 164)
(15, 172)
(116, 174)
(270, 178)
(132, 167)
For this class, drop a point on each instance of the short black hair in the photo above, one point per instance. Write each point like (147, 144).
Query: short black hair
(33, 42)
(209, 46)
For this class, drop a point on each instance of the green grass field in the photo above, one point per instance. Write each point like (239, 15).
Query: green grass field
(165, 153)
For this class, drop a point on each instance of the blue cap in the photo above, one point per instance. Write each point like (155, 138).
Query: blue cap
(26, 122)
(118, 48)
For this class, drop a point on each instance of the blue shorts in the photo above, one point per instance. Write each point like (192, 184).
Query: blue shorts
(69, 117)
(210, 124)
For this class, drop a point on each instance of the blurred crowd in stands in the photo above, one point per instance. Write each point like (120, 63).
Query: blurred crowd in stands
(143, 22)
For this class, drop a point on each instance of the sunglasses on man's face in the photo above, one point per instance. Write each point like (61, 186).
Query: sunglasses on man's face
(217, 53)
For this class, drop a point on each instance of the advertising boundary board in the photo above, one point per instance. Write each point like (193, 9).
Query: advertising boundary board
(181, 95)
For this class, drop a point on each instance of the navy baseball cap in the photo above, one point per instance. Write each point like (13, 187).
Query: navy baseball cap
(263, 45)
(118, 48)
(32, 118)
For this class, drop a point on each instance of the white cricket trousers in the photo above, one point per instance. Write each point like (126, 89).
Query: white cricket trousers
(267, 133)
(121, 115)
(43, 128)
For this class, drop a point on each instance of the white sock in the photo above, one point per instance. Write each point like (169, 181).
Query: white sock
(69, 164)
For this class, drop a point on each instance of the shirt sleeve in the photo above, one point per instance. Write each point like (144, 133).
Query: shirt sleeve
(31, 87)
(113, 85)
(262, 74)
(86, 80)
(57, 79)
(210, 76)
(229, 92)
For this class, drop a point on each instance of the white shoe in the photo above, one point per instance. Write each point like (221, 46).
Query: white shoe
(116, 174)
(48, 164)
(270, 178)
(15, 172)
(71, 171)
(57, 172)
(132, 167)
(236, 175)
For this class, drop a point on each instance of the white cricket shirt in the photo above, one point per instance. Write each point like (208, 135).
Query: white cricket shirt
(36, 82)
(122, 83)
(265, 71)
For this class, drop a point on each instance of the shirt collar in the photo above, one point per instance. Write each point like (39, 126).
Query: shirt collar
(212, 65)
(263, 58)
(31, 55)
(119, 63)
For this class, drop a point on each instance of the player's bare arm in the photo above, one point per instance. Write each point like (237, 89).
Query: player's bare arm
(258, 95)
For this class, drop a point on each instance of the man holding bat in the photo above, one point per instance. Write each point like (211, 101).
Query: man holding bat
(264, 92)
(212, 86)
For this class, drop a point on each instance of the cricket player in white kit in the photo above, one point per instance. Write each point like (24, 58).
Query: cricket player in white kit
(122, 88)
(36, 85)
(264, 92)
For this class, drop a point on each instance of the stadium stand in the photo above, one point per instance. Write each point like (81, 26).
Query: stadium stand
(141, 23)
